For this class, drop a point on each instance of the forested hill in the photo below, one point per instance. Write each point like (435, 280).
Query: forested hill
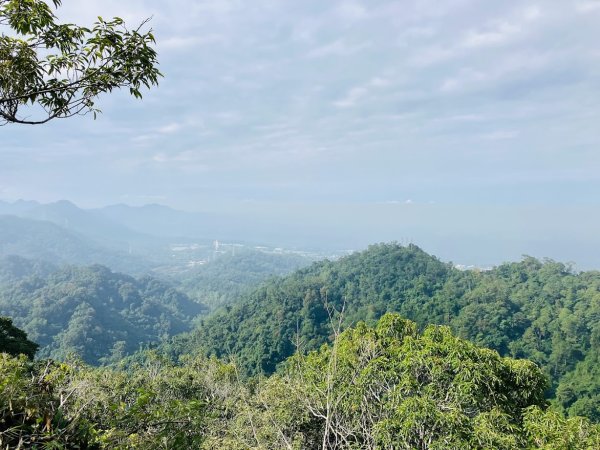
(531, 309)
(224, 279)
(46, 241)
(13, 268)
(261, 328)
(95, 313)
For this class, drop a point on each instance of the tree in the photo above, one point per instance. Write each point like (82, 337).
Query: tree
(391, 387)
(14, 341)
(54, 70)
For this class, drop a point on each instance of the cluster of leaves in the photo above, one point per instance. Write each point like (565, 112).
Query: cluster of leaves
(63, 68)
(14, 341)
(375, 387)
(95, 313)
(542, 311)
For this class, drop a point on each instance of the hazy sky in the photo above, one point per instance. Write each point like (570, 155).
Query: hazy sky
(480, 113)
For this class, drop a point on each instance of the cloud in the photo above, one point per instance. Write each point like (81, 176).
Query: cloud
(351, 11)
(143, 138)
(383, 98)
(412, 34)
(339, 47)
(185, 42)
(466, 77)
(517, 67)
(501, 32)
(500, 135)
(170, 128)
(587, 6)
(431, 55)
(498, 32)
(462, 118)
(357, 93)
(498, 35)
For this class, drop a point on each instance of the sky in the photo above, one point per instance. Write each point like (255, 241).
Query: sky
(468, 126)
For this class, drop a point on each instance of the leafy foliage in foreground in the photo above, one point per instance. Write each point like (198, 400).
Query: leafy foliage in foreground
(63, 68)
(95, 313)
(14, 340)
(375, 387)
(537, 310)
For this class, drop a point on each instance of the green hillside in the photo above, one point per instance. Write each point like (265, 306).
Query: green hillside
(13, 268)
(381, 387)
(225, 278)
(46, 241)
(95, 313)
(540, 310)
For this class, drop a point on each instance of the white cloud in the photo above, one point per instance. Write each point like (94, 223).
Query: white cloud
(170, 128)
(466, 78)
(143, 138)
(498, 35)
(510, 67)
(431, 55)
(351, 11)
(587, 6)
(357, 93)
(412, 34)
(532, 12)
(495, 33)
(500, 135)
(462, 118)
(445, 80)
(85, 12)
(339, 47)
(304, 32)
(352, 97)
(501, 32)
(186, 42)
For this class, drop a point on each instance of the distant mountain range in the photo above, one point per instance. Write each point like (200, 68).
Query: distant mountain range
(125, 238)
(46, 241)
(122, 225)
(118, 224)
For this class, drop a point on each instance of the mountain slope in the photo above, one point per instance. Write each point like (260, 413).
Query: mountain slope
(70, 217)
(95, 313)
(42, 240)
(226, 278)
(14, 268)
(260, 330)
(538, 310)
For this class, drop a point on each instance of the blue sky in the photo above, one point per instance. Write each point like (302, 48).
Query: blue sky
(479, 113)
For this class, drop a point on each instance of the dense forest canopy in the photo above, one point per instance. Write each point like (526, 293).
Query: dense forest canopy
(224, 279)
(540, 310)
(14, 341)
(95, 313)
(386, 386)
(321, 358)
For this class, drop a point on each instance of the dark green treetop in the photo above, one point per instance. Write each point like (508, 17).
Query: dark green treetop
(14, 341)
